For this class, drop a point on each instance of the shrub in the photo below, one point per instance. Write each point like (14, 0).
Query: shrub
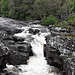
(4, 9)
(63, 24)
(13, 13)
(71, 20)
(49, 20)
(71, 17)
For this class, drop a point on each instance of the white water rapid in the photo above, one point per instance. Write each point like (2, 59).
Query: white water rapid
(37, 65)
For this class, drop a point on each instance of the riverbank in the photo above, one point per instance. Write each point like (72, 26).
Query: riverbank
(60, 50)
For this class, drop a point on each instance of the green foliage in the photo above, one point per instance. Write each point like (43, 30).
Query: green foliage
(71, 17)
(73, 5)
(37, 9)
(49, 20)
(13, 13)
(71, 20)
(4, 9)
(61, 24)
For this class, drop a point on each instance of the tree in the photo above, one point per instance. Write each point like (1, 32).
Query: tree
(4, 7)
(43, 8)
(20, 8)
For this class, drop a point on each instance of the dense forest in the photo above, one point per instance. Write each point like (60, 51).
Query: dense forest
(49, 11)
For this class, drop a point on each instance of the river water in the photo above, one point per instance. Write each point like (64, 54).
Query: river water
(37, 64)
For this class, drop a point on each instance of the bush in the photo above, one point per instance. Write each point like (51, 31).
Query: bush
(49, 20)
(71, 20)
(4, 9)
(13, 14)
(63, 24)
(71, 17)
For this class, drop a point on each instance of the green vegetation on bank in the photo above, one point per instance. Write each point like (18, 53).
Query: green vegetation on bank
(50, 12)
(49, 20)
(71, 20)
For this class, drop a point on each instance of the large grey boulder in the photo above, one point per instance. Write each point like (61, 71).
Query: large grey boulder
(60, 50)
(19, 53)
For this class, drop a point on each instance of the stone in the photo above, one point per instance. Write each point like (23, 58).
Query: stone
(16, 39)
(10, 30)
(13, 49)
(19, 53)
(4, 52)
(11, 71)
(59, 52)
(34, 31)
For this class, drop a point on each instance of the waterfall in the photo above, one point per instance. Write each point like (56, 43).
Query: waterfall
(37, 64)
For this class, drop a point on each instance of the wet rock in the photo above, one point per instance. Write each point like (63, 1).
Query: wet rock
(33, 31)
(52, 56)
(24, 47)
(36, 31)
(59, 52)
(2, 34)
(2, 74)
(4, 52)
(10, 30)
(20, 53)
(72, 32)
(16, 39)
(11, 71)
(17, 58)
(18, 30)
(57, 29)
(33, 22)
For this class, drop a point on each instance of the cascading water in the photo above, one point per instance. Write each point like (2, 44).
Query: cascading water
(37, 65)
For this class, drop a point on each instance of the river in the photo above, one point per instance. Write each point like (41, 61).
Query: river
(37, 64)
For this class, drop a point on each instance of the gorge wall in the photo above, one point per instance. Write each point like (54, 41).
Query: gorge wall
(60, 50)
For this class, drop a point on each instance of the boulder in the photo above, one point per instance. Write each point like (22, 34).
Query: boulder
(13, 49)
(10, 30)
(16, 39)
(19, 53)
(11, 71)
(4, 52)
(33, 31)
(60, 52)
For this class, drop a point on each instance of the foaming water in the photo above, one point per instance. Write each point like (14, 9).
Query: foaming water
(37, 65)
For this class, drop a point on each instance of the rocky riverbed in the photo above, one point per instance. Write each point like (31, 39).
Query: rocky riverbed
(27, 48)
(13, 49)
